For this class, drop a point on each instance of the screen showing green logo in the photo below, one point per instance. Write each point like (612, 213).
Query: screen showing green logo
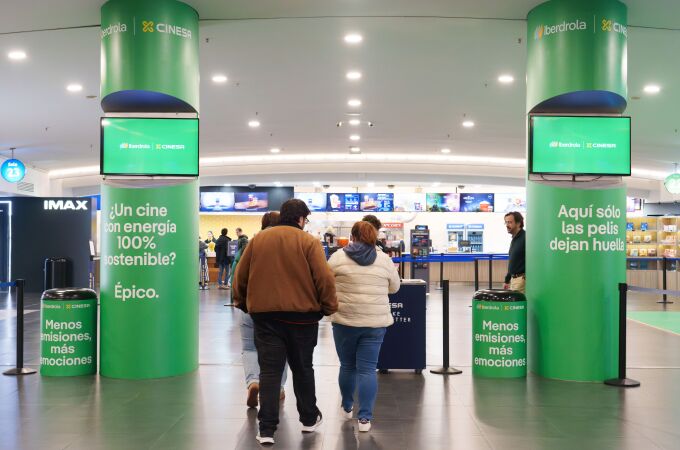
(579, 145)
(149, 146)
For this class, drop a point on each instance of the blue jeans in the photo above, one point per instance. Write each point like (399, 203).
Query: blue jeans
(224, 268)
(249, 352)
(358, 349)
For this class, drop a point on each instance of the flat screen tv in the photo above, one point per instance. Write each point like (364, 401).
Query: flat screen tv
(443, 202)
(579, 145)
(149, 146)
(217, 201)
(377, 202)
(251, 201)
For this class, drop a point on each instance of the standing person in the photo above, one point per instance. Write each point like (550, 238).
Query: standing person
(203, 265)
(377, 224)
(515, 279)
(248, 350)
(363, 277)
(222, 260)
(284, 282)
(211, 238)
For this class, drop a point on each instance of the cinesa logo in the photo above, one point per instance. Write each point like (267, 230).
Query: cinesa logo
(114, 28)
(148, 26)
(547, 30)
(610, 25)
(65, 205)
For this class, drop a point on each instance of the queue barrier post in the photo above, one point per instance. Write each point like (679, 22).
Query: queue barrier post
(19, 369)
(476, 274)
(445, 369)
(664, 284)
(622, 381)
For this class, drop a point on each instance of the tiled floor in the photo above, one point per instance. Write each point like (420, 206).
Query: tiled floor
(206, 409)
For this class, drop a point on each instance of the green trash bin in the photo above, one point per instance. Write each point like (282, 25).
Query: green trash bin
(499, 334)
(68, 332)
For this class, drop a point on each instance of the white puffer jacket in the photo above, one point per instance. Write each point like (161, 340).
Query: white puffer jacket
(362, 290)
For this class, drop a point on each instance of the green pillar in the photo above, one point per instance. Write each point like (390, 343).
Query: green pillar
(576, 64)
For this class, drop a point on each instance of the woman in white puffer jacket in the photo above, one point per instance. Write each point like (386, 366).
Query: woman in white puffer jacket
(363, 279)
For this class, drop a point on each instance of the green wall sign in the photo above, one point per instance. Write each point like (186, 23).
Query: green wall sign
(576, 257)
(579, 145)
(149, 146)
(149, 300)
(577, 56)
(149, 56)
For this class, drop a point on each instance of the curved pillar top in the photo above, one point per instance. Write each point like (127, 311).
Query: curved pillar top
(577, 57)
(149, 56)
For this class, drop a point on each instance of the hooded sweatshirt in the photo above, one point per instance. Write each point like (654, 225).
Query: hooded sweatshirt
(360, 253)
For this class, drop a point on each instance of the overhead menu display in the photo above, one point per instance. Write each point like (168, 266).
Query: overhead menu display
(476, 202)
(149, 146)
(217, 201)
(377, 202)
(443, 202)
(316, 201)
(343, 202)
(251, 201)
(577, 145)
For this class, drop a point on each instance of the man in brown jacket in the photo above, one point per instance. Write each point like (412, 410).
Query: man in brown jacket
(285, 284)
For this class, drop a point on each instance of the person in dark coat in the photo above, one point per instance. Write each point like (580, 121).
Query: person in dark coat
(222, 259)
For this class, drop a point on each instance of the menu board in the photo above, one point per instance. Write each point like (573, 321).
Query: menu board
(443, 202)
(476, 202)
(343, 202)
(377, 202)
(217, 201)
(352, 202)
(506, 203)
(404, 202)
(316, 201)
(251, 201)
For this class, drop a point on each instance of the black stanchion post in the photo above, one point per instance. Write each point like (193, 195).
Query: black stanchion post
(20, 369)
(476, 274)
(441, 272)
(445, 369)
(664, 275)
(490, 272)
(622, 381)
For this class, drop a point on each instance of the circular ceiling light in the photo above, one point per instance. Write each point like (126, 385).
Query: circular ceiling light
(353, 75)
(74, 87)
(275, 150)
(468, 124)
(354, 103)
(652, 89)
(16, 55)
(353, 38)
(354, 122)
(446, 150)
(672, 183)
(219, 78)
(254, 124)
(354, 137)
(506, 79)
(355, 150)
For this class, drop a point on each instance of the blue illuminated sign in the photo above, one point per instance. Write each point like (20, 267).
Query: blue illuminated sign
(13, 170)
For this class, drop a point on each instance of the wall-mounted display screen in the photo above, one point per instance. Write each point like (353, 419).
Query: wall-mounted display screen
(476, 202)
(316, 201)
(217, 201)
(343, 202)
(578, 145)
(405, 202)
(251, 201)
(506, 203)
(443, 202)
(377, 202)
(149, 146)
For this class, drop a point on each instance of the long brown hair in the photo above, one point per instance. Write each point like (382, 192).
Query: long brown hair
(270, 219)
(364, 232)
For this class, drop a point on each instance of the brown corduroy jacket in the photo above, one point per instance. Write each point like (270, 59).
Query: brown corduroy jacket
(283, 272)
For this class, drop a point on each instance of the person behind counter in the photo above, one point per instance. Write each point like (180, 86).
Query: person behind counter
(515, 279)
(211, 238)
(222, 259)
(377, 224)
(363, 279)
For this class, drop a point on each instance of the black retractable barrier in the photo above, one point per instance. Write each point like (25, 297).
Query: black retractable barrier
(19, 369)
(664, 284)
(445, 369)
(622, 381)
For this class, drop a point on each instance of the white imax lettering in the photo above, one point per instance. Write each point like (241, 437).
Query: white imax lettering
(576, 25)
(174, 29)
(65, 205)
(114, 28)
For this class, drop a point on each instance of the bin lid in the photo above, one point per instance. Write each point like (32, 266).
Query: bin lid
(499, 295)
(69, 294)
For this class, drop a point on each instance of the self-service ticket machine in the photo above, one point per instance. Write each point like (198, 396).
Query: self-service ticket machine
(420, 249)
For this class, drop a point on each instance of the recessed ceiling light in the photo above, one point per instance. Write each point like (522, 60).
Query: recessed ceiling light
(278, 184)
(354, 137)
(506, 79)
(355, 150)
(354, 103)
(354, 122)
(353, 38)
(227, 184)
(353, 114)
(370, 184)
(353, 75)
(275, 150)
(436, 183)
(652, 89)
(219, 78)
(446, 150)
(74, 88)
(17, 55)
(316, 184)
(468, 124)
(254, 123)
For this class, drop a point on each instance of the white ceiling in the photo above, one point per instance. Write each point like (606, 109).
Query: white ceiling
(421, 76)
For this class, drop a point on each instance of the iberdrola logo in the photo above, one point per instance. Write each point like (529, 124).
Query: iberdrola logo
(538, 34)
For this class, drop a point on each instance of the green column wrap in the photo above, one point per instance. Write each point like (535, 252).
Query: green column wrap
(575, 256)
(577, 56)
(149, 56)
(149, 296)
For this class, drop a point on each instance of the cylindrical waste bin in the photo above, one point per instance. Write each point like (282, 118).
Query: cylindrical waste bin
(68, 332)
(499, 336)
(57, 272)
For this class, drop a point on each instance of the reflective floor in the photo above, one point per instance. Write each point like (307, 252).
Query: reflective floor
(206, 410)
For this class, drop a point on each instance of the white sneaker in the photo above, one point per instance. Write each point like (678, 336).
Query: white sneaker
(264, 440)
(345, 414)
(312, 428)
(364, 425)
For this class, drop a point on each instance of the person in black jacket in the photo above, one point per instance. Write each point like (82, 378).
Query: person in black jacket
(223, 261)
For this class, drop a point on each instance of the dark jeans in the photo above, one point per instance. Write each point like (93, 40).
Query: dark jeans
(275, 342)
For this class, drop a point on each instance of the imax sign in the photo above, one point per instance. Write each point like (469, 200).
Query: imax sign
(65, 205)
